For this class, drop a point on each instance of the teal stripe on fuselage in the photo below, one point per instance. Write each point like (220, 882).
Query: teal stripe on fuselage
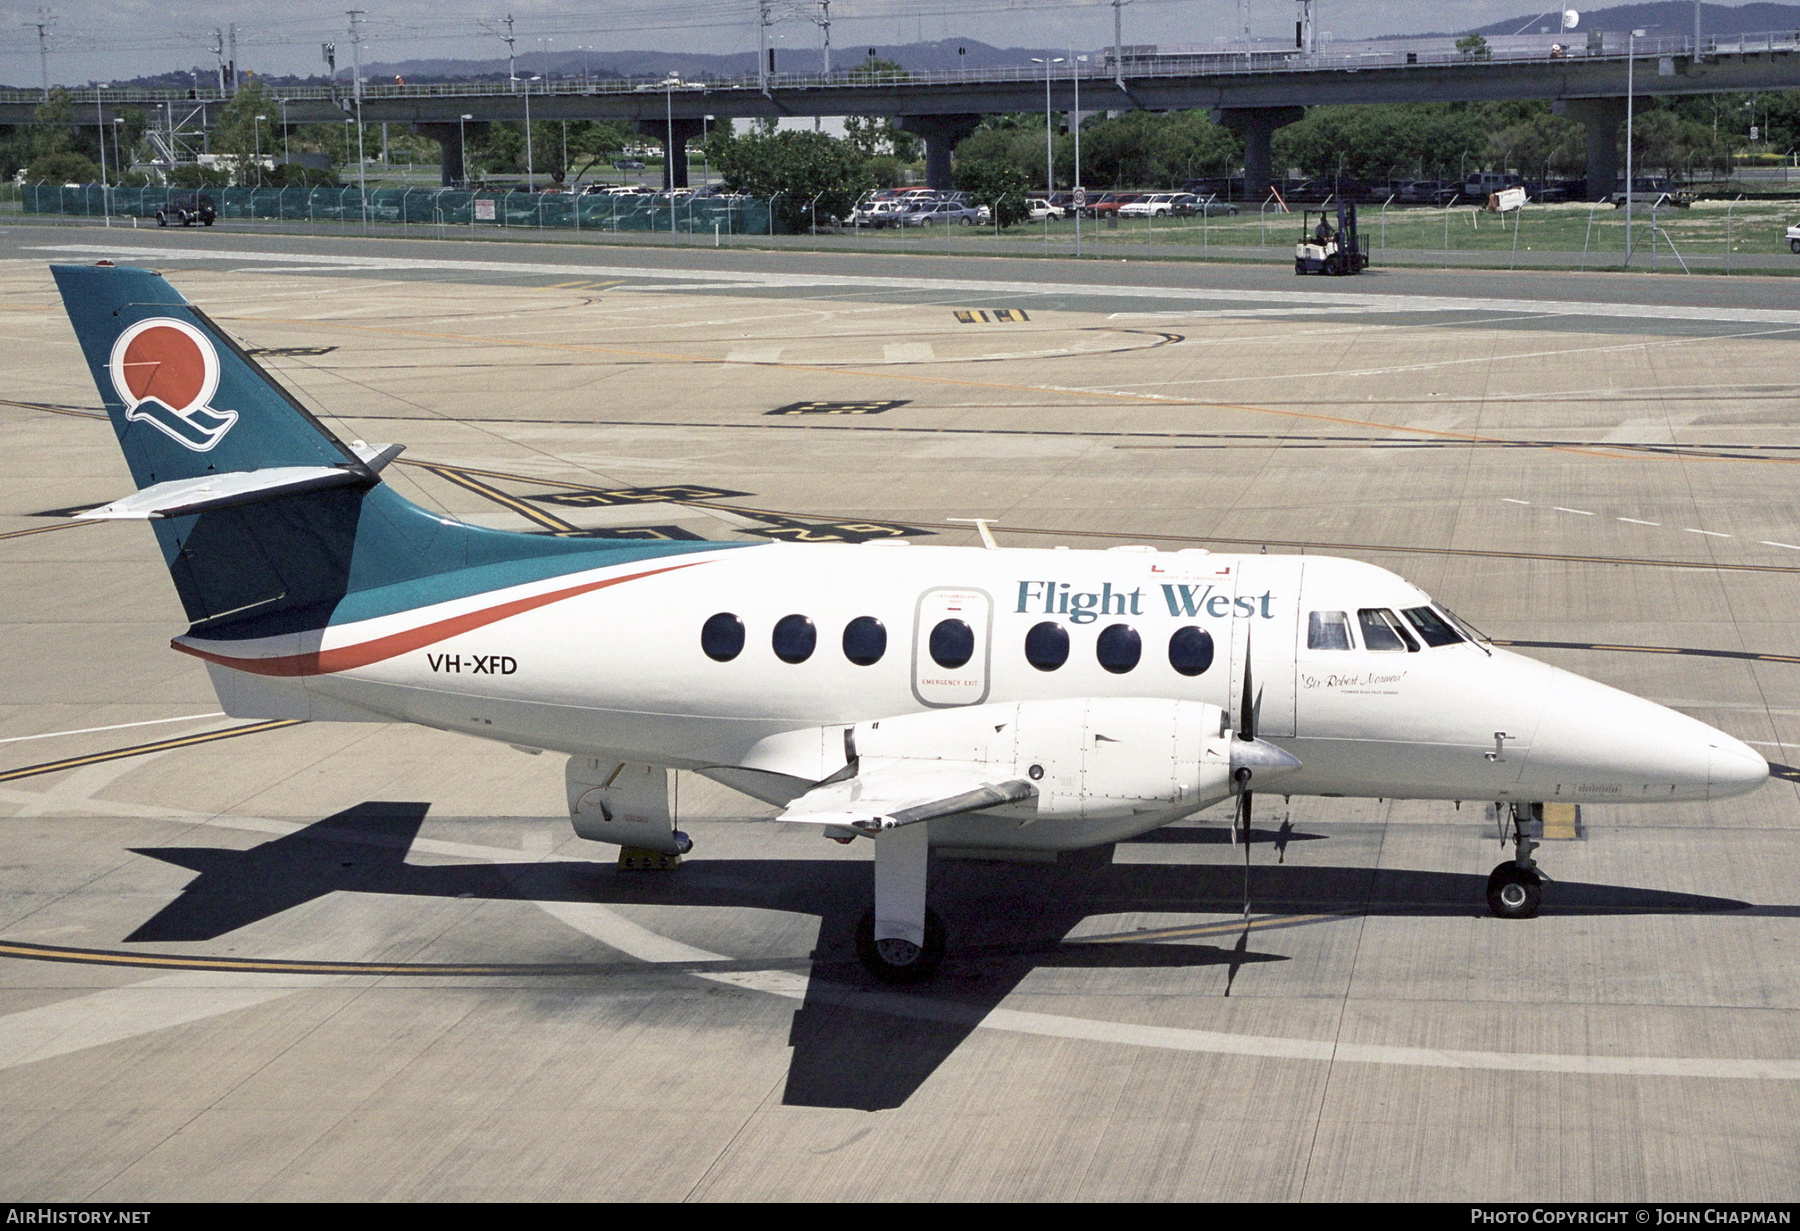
(464, 583)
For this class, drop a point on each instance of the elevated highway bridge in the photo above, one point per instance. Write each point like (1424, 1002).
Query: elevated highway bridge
(1252, 94)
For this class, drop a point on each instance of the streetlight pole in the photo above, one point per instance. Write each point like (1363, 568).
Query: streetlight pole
(1630, 100)
(1049, 131)
(530, 173)
(256, 128)
(100, 126)
(1075, 63)
(356, 86)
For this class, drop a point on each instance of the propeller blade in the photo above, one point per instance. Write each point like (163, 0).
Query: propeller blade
(1247, 711)
(1246, 798)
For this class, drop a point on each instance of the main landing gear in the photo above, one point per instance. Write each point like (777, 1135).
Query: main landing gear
(901, 941)
(1516, 887)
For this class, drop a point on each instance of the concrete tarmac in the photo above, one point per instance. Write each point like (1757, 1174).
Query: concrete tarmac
(365, 962)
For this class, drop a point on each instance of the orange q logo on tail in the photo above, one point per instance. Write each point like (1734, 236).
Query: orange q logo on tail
(165, 371)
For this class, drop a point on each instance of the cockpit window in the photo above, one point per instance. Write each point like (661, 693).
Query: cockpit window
(1432, 627)
(1327, 630)
(1382, 631)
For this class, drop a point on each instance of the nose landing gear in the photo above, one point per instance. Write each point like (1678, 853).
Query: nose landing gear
(901, 941)
(1516, 887)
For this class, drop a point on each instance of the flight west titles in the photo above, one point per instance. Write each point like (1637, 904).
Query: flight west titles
(1183, 601)
(472, 664)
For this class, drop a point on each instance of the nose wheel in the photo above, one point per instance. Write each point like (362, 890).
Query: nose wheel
(1514, 892)
(1516, 888)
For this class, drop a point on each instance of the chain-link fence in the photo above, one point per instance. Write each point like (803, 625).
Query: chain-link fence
(724, 215)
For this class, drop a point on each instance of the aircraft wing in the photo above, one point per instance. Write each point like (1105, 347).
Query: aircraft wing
(885, 795)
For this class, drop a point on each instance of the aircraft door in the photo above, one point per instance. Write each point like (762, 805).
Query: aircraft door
(952, 646)
(1265, 619)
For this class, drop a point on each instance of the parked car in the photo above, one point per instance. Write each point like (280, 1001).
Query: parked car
(1107, 203)
(1417, 192)
(1212, 205)
(1483, 184)
(1041, 209)
(628, 164)
(940, 213)
(1793, 238)
(1159, 205)
(878, 214)
(184, 209)
(1653, 190)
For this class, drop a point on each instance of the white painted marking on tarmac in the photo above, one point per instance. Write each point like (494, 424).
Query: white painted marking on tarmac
(907, 352)
(728, 278)
(754, 354)
(117, 726)
(1709, 533)
(1560, 509)
(1789, 546)
(1510, 500)
(121, 1013)
(1636, 521)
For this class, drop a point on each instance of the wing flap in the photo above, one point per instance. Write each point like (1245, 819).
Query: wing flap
(887, 796)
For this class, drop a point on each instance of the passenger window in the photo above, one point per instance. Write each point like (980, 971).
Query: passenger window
(1327, 630)
(865, 641)
(1118, 648)
(1047, 646)
(1191, 650)
(1432, 627)
(795, 639)
(722, 637)
(1381, 631)
(952, 644)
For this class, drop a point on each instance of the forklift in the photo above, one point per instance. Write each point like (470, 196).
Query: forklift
(1326, 250)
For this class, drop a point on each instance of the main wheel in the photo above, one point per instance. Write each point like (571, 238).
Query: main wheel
(1299, 266)
(968, 222)
(900, 961)
(1514, 892)
(1334, 265)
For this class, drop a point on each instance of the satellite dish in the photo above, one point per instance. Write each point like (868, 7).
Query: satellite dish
(1571, 19)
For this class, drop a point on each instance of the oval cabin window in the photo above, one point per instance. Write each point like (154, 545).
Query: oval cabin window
(1118, 648)
(722, 637)
(1047, 646)
(1191, 650)
(952, 644)
(865, 641)
(794, 639)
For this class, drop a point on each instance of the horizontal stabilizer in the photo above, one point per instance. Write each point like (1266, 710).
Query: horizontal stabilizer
(887, 796)
(182, 497)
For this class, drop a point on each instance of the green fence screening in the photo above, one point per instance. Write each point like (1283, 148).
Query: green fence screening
(423, 206)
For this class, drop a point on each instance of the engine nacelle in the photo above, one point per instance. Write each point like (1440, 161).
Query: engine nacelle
(1088, 757)
(623, 802)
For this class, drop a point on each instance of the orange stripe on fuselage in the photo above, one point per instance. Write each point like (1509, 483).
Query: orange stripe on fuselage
(349, 657)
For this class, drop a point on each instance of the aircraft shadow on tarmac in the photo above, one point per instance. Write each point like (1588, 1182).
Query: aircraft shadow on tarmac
(856, 1044)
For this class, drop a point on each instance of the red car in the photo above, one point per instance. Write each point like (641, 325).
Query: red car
(1108, 203)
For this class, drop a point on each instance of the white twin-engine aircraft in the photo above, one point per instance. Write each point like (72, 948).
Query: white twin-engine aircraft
(998, 700)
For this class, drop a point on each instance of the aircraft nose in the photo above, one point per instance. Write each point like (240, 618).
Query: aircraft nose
(1735, 768)
(1599, 743)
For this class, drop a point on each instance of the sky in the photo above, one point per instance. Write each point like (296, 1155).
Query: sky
(101, 39)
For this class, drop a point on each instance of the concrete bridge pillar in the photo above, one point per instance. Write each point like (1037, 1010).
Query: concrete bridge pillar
(942, 134)
(450, 138)
(673, 137)
(1602, 117)
(1256, 126)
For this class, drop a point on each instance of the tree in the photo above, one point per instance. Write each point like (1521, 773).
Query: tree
(809, 174)
(1142, 148)
(1473, 47)
(1019, 148)
(62, 167)
(249, 132)
(996, 184)
(878, 136)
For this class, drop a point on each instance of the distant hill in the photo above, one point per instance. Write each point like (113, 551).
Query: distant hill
(1668, 17)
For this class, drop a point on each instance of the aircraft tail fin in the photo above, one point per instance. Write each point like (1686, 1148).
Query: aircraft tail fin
(267, 520)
